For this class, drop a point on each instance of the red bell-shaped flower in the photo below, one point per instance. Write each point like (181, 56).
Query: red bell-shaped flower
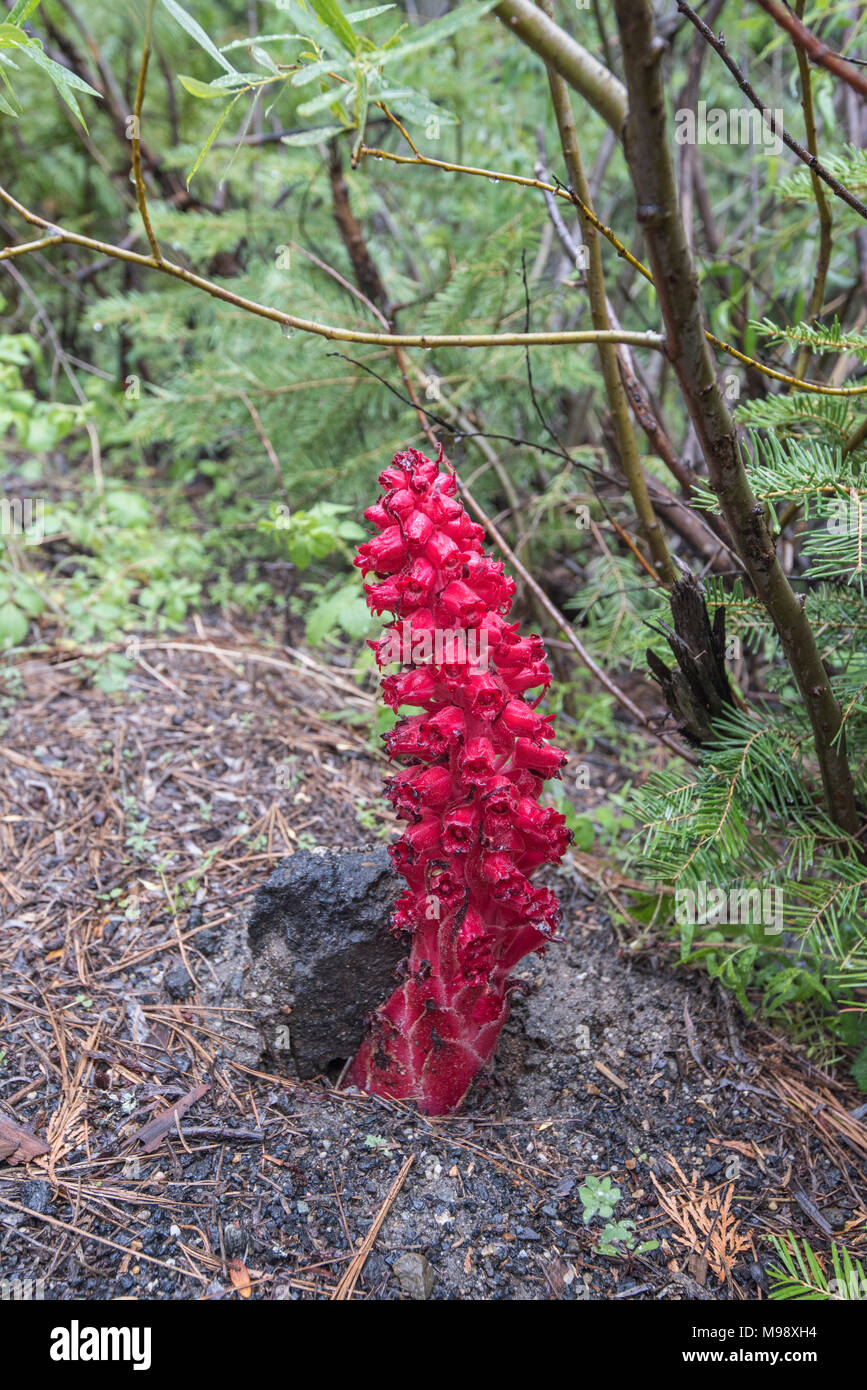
(477, 758)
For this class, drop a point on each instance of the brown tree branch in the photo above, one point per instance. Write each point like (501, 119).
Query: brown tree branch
(816, 50)
(652, 169)
(627, 448)
(351, 234)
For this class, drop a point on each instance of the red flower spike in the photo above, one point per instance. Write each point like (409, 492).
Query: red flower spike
(410, 688)
(475, 760)
(377, 515)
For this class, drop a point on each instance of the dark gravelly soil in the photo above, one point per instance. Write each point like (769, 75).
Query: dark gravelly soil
(134, 829)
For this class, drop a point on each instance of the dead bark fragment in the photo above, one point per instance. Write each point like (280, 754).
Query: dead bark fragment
(18, 1144)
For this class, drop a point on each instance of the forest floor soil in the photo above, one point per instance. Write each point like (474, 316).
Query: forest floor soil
(165, 1161)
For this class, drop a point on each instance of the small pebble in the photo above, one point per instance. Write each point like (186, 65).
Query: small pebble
(414, 1274)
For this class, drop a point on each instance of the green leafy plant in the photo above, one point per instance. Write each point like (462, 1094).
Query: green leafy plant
(618, 1238)
(38, 425)
(332, 51)
(329, 606)
(28, 49)
(19, 602)
(599, 1197)
(311, 535)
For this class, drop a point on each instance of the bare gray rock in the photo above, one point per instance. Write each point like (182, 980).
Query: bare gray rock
(414, 1275)
(323, 957)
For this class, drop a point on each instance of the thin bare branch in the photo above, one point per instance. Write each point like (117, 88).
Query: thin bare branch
(324, 330)
(719, 46)
(817, 296)
(816, 50)
(135, 135)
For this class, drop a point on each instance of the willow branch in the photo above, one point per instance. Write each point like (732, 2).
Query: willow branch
(584, 73)
(627, 448)
(135, 136)
(26, 248)
(817, 297)
(322, 330)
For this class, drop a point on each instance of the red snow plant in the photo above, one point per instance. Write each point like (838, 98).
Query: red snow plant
(473, 764)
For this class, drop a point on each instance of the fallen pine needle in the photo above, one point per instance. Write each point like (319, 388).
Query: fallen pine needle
(346, 1287)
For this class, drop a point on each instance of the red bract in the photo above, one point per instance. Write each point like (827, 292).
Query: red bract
(474, 763)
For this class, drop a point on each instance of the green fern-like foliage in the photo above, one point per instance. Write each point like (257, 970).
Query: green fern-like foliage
(751, 821)
(818, 337)
(848, 164)
(799, 1276)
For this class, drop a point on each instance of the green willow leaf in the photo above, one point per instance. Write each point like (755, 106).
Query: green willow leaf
(21, 12)
(212, 137)
(331, 14)
(324, 101)
(261, 38)
(358, 16)
(203, 90)
(195, 31)
(312, 137)
(438, 30)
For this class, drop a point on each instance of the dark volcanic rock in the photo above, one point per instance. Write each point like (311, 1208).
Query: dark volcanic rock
(36, 1196)
(323, 956)
(178, 983)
